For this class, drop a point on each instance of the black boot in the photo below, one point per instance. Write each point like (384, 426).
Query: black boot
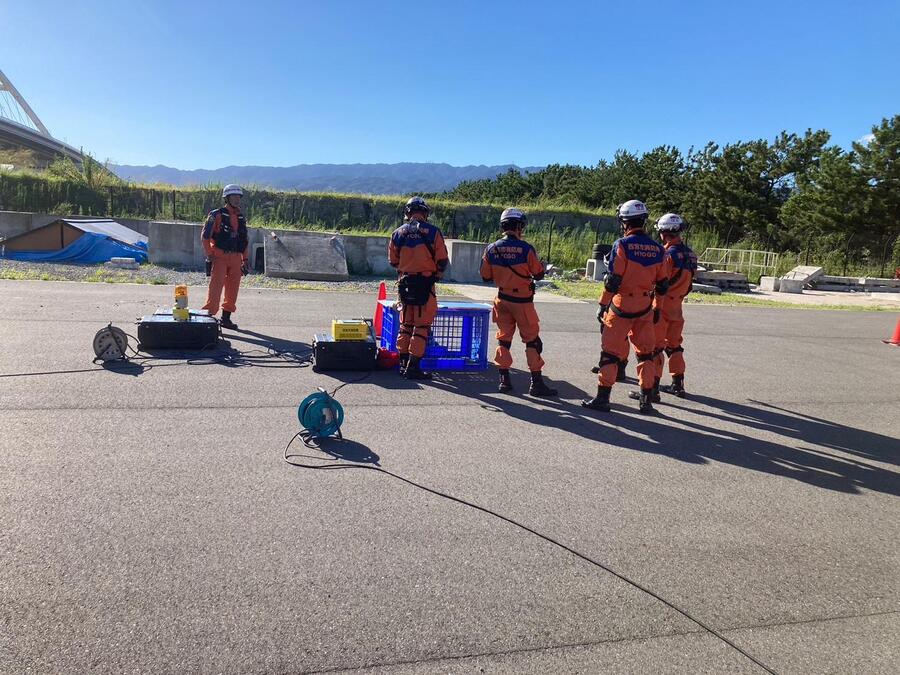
(539, 387)
(404, 360)
(600, 401)
(646, 404)
(226, 321)
(621, 376)
(677, 387)
(505, 383)
(414, 370)
(654, 393)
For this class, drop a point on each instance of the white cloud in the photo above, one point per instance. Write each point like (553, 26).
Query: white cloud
(865, 140)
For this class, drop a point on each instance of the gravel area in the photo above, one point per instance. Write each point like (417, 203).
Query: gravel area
(168, 276)
(154, 274)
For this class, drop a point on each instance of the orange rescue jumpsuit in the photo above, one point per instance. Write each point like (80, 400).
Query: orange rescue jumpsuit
(417, 248)
(225, 242)
(637, 268)
(682, 264)
(513, 265)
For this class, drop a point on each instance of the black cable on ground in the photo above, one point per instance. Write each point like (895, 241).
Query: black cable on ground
(551, 540)
(270, 357)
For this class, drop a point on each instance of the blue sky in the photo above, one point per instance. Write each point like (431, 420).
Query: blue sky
(209, 84)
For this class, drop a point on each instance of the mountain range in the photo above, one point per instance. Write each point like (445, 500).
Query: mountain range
(401, 178)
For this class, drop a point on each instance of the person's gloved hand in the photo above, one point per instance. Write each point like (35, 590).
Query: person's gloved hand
(245, 269)
(601, 312)
(208, 266)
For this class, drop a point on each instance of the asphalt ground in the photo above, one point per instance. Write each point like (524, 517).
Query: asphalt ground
(148, 522)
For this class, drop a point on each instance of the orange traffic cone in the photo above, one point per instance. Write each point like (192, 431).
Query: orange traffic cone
(379, 309)
(895, 340)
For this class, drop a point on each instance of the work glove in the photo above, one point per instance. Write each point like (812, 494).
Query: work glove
(245, 269)
(601, 312)
(208, 266)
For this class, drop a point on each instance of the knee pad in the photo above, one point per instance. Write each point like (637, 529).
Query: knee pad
(406, 329)
(608, 359)
(506, 344)
(536, 345)
(641, 358)
(673, 350)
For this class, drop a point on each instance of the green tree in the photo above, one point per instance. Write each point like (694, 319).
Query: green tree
(878, 162)
(831, 205)
(739, 189)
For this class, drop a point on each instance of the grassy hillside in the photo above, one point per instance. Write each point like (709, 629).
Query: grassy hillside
(563, 235)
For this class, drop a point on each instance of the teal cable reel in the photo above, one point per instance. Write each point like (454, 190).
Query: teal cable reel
(321, 416)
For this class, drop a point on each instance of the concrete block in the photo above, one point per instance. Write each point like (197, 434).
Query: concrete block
(595, 269)
(465, 260)
(176, 244)
(769, 283)
(306, 255)
(124, 263)
(706, 288)
(805, 273)
(727, 281)
(791, 285)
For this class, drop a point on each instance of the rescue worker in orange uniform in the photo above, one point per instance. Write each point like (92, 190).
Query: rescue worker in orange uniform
(682, 264)
(513, 265)
(225, 241)
(417, 250)
(635, 287)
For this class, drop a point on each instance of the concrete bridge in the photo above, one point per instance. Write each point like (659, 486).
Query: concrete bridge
(20, 127)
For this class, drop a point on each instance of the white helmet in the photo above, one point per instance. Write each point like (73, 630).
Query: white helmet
(516, 217)
(232, 190)
(633, 208)
(671, 222)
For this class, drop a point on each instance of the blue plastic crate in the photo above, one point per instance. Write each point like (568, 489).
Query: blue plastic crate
(459, 335)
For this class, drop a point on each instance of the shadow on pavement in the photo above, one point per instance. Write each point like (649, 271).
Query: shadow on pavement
(738, 443)
(340, 449)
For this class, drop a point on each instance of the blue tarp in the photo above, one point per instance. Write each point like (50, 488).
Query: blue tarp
(91, 247)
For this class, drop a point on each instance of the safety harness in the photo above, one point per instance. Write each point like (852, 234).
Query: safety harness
(513, 298)
(629, 315)
(415, 289)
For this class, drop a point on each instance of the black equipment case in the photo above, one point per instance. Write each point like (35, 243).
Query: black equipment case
(162, 331)
(344, 355)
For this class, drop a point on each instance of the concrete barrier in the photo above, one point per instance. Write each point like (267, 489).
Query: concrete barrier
(595, 269)
(465, 260)
(769, 283)
(367, 255)
(306, 255)
(14, 223)
(176, 244)
(791, 285)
